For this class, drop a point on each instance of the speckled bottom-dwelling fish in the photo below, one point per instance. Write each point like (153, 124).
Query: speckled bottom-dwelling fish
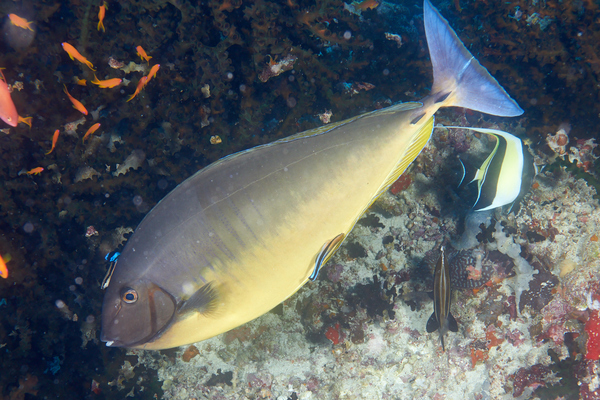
(245, 233)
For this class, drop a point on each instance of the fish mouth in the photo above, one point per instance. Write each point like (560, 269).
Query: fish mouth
(111, 342)
(130, 345)
(116, 342)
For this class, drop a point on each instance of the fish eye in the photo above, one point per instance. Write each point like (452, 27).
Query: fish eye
(129, 296)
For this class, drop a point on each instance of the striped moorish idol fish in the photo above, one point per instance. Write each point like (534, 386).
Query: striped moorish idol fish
(505, 175)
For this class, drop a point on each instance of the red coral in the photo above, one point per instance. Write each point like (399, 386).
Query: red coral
(478, 355)
(191, 352)
(95, 387)
(592, 327)
(401, 184)
(333, 334)
(490, 336)
(532, 377)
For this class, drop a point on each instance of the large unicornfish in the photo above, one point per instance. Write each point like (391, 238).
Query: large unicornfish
(243, 234)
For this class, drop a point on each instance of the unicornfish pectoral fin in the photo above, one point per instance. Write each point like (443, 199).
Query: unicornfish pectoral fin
(205, 301)
(325, 254)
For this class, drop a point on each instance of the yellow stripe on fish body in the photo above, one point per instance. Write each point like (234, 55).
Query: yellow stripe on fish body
(245, 233)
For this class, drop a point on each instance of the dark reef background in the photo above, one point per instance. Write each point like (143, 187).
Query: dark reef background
(546, 53)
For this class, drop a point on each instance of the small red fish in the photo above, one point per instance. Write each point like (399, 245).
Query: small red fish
(3, 268)
(54, 139)
(366, 5)
(35, 171)
(20, 22)
(76, 103)
(75, 55)
(101, 13)
(92, 129)
(142, 54)
(140, 86)
(8, 111)
(107, 83)
(153, 72)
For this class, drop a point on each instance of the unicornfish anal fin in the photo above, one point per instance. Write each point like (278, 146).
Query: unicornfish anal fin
(326, 252)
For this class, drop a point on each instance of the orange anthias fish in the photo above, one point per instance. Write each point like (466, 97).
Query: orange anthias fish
(76, 103)
(144, 81)
(142, 54)
(8, 112)
(92, 129)
(74, 54)
(140, 86)
(26, 120)
(107, 83)
(101, 13)
(20, 22)
(367, 5)
(35, 171)
(54, 139)
(3, 268)
(153, 72)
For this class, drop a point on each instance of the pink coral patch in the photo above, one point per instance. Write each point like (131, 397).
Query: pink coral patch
(592, 327)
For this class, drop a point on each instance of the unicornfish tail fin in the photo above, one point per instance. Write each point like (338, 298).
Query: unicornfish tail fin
(457, 73)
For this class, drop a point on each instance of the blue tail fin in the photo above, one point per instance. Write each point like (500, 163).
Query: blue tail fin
(457, 72)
